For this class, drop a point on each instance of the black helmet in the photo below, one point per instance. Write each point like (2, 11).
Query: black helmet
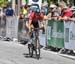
(37, 11)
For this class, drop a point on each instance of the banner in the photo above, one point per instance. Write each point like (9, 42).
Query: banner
(69, 35)
(12, 27)
(55, 33)
(39, 2)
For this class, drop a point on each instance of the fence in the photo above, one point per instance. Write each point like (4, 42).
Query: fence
(55, 32)
(2, 26)
(61, 34)
(69, 35)
(9, 27)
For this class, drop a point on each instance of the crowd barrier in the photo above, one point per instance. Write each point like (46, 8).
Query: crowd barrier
(61, 34)
(21, 30)
(9, 27)
(12, 27)
(69, 35)
(55, 33)
(2, 27)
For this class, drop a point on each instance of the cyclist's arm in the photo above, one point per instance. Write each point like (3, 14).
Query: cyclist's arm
(30, 20)
(47, 17)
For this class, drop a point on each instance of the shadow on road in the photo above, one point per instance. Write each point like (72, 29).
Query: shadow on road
(26, 55)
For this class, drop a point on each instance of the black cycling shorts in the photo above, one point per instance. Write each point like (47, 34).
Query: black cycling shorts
(35, 24)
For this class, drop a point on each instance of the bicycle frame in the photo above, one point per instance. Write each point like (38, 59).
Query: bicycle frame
(35, 34)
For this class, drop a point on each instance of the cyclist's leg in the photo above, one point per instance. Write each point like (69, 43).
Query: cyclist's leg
(30, 45)
(37, 42)
(37, 47)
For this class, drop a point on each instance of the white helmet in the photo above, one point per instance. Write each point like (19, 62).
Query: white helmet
(53, 6)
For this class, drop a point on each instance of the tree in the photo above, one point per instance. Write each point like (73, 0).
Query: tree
(56, 1)
(3, 3)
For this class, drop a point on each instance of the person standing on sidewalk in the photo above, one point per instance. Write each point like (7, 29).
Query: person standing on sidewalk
(9, 18)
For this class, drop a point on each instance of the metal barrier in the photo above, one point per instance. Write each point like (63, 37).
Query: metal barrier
(9, 27)
(59, 34)
(69, 35)
(2, 26)
(55, 33)
(12, 27)
(22, 35)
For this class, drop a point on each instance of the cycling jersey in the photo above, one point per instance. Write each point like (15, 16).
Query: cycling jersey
(35, 18)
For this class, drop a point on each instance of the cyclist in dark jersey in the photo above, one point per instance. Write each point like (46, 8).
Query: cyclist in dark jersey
(35, 16)
(34, 43)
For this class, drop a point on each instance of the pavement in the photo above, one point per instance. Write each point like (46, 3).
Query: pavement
(14, 53)
(60, 54)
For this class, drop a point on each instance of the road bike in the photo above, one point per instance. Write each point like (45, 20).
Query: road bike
(35, 43)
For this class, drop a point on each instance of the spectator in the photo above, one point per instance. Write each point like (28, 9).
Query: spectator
(61, 6)
(24, 10)
(45, 8)
(9, 21)
(53, 12)
(9, 11)
(66, 13)
(73, 16)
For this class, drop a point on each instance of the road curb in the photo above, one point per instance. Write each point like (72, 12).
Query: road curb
(67, 56)
(49, 51)
(57, 53)
(11, 42)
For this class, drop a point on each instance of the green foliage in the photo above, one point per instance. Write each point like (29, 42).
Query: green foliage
(56, 1)
(51, 1)
(3, 3)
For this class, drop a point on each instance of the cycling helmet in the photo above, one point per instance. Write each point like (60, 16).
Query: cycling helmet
(37, 11)
(33, 9)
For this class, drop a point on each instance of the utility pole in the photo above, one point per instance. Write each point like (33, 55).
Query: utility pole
(13, 4)
(19, 6)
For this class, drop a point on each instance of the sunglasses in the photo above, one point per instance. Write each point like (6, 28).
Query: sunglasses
(51, 8)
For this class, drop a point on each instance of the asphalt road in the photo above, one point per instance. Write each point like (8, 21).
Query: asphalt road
(14, 53)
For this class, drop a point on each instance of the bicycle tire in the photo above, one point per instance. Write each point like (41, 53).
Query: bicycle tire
(38, 55)
(37, 51)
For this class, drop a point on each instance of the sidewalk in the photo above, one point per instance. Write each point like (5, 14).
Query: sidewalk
(60, 54)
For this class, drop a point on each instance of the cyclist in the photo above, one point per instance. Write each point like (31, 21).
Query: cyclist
(34, 44)
(35, 16)
(34, 19)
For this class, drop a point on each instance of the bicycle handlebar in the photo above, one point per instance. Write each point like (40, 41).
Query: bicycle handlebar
(37, 28)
